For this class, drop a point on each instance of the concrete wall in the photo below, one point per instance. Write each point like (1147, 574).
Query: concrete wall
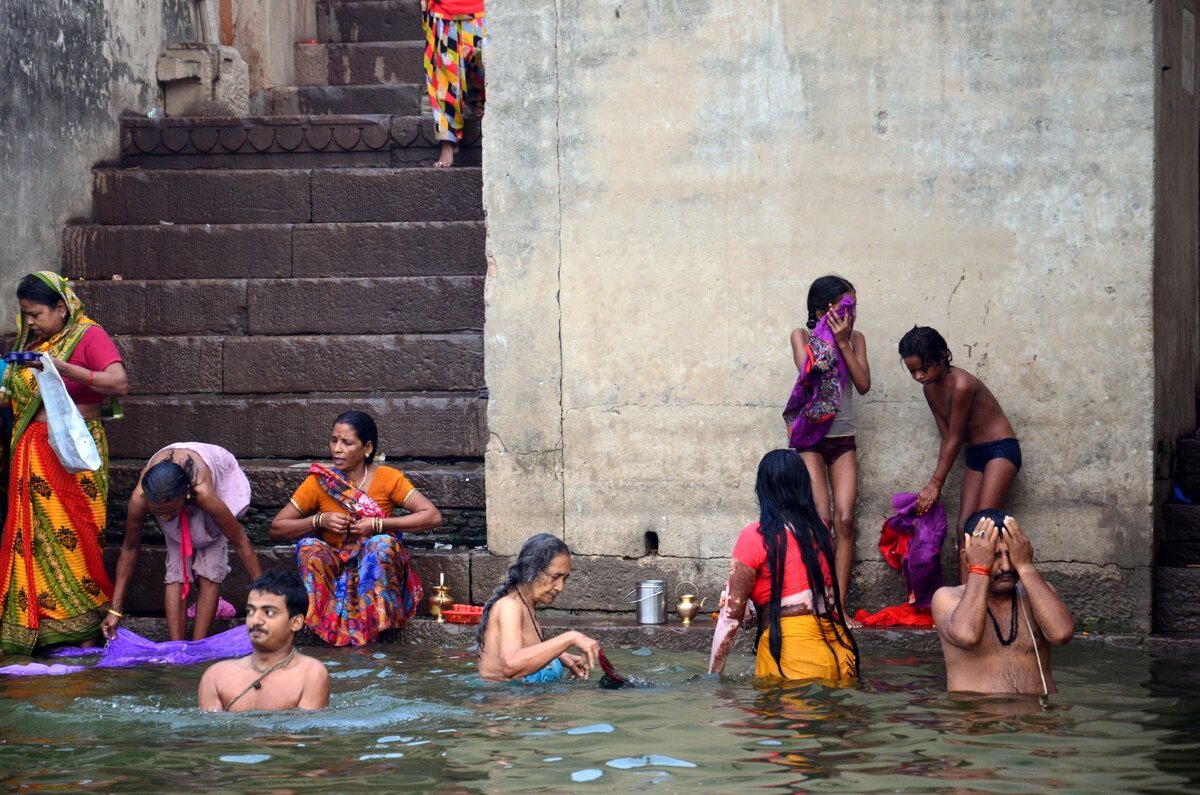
(265, 32)
(70, 67)
(664, 179)
(1176, 270)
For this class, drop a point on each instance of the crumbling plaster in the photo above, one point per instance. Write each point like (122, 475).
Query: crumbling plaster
(71, 68)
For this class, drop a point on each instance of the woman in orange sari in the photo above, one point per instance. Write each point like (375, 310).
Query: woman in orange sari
(357, 572)
(53, 587)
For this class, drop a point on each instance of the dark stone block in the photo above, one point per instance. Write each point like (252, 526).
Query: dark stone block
(1178, 553)
(381, 20)
(1176, 599)
(1181, 522)
(377, 62)
(444, 362)
(1187, 455)
(395, 249)
(403, 194)
(177, 251)
(200, 197)
(399, 98)
(158, 365)
(411, 305)
(167, 307)
(297, 427)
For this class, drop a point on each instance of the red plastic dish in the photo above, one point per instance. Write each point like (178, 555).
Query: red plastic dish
(463, 614)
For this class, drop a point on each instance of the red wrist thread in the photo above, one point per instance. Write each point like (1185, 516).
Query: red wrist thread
(91, 375)
(975, 568)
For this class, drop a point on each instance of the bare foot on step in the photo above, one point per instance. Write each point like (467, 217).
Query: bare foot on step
(446, 156)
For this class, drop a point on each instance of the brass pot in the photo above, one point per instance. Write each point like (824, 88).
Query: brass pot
(688, 607)
(439, 600)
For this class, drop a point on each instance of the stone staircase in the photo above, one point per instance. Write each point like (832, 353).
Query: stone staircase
(262, 274)
(1177, 565)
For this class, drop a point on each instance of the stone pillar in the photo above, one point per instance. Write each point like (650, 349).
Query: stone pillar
(265, 33)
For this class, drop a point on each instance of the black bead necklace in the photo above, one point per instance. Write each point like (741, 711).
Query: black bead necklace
(1012, 628)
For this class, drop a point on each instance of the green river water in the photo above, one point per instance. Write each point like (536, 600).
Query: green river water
(417, 719)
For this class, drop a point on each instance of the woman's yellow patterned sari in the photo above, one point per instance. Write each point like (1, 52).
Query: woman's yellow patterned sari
(53, 587)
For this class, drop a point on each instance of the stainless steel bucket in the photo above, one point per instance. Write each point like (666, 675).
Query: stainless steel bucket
(651, 601)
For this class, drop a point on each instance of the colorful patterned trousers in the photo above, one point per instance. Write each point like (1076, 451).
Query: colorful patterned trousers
(350, 602)
(453, 71)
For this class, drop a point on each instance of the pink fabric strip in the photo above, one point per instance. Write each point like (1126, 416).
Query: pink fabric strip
(185, 548)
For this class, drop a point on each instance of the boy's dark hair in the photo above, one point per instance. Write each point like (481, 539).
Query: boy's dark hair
(823, 292)
(927, 345)
(281, 582)
(974, 519)
(364, 427)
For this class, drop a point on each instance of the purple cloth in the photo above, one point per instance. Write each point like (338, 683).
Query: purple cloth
(817, 394)
(130, 649)
(41, 669)
(922, 566)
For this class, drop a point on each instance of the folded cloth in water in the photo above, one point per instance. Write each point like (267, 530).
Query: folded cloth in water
(129, 649)
(898, 616)
(913, 544)
(611, 679)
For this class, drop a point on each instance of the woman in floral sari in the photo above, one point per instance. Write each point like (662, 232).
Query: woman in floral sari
(351, 558)
(53, 588)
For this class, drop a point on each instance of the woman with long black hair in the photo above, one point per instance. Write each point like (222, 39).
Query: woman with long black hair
(776, 561)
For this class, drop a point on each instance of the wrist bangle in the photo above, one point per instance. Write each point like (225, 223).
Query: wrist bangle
(91, 375)
(112, 612)
(975, 568)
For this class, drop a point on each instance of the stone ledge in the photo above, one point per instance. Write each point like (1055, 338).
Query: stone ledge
(282, 141)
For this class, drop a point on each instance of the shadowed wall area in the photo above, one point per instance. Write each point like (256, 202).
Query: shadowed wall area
(71, 67)
(664, 179)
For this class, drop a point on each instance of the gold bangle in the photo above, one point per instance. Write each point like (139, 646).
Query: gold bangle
(112, 612)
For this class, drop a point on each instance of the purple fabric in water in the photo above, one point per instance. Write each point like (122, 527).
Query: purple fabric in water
(817, 393)
(41, 669)
(922, 566)
(129, 649)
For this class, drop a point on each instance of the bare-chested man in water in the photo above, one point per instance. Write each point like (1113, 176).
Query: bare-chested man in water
(997, 629)
(966, 413)
(274, 675)
(511, 645)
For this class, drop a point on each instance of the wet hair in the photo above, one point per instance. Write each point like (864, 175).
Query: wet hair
(995, 515)
(364, 427)
(927, 345)
(167, 481)
(281, 582)
(32, 288)
(535, 556)
(823, 292)
(785, 502)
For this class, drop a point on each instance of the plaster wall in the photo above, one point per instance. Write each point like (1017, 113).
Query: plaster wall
(71, 68)
(265, 32)
(664, 179)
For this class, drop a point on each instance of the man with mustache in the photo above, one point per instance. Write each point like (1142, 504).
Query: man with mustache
(274, 675)
(998, 627)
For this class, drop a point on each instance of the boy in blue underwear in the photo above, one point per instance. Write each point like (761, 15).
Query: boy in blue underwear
(511, 644)
(967, 414)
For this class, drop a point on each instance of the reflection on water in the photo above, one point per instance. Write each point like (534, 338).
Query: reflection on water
(418, 719)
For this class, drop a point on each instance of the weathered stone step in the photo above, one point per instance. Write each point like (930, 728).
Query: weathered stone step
(266, 251)
(1178, 553)
(1181, 523)
(327, 363)
(400, 305)
(307, 141)
(367, 63)
(134, 196)
(402, 98)
(369, 20)
(1176, 599)
(297, 426)
(272, 481)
